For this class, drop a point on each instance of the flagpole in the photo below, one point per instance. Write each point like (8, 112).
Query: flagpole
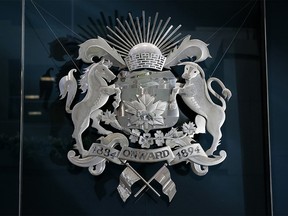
(150, 180)
(146, 183)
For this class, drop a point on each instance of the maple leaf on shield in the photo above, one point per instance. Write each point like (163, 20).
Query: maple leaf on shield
(145, 111)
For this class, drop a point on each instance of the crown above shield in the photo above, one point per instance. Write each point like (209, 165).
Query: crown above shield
(144, 43)
(140, 43)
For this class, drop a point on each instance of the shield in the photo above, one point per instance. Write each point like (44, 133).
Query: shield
(145, 97)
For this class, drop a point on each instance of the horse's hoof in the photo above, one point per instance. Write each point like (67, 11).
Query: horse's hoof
(84, 153)
(115, 104)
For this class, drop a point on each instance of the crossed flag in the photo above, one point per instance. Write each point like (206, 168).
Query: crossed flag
(129, 176)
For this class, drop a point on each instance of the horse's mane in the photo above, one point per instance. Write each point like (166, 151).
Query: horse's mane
(84, 77)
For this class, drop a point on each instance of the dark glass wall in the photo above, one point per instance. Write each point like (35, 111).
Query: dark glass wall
(52, 186)
(10, 43)
(277, 42)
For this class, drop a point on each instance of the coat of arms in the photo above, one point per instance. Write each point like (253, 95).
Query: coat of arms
(143, 124)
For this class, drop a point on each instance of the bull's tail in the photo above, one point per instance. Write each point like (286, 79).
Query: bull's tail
(226, 93)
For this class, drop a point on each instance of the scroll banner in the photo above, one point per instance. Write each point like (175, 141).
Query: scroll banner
(187, 153)
(105, 151)
(147, 155)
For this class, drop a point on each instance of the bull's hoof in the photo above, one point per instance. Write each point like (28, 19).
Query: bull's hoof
(210, 152)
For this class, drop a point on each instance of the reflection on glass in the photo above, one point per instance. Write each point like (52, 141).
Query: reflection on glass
(52, 38)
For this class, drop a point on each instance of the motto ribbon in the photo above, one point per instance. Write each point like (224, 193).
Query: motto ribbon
(107, 150)
(191, 152)
(147, 156)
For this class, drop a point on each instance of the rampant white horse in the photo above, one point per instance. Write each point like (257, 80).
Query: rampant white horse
(98, 92)
(195, 94)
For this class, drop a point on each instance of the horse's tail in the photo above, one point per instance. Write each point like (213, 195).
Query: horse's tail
(226, 93)
(68, 86)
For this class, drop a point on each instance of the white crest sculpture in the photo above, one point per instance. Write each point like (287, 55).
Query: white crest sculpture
(144, 114)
